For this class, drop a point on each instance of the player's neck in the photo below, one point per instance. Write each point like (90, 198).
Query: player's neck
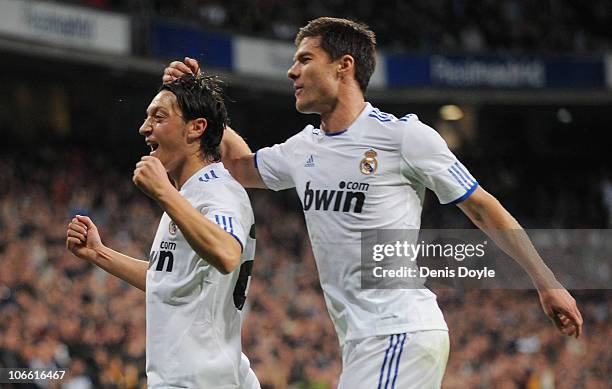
(343, 114)
(187, 168)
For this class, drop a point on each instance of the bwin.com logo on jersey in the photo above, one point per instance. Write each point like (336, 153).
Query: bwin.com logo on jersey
(336, 200)
(310, 161)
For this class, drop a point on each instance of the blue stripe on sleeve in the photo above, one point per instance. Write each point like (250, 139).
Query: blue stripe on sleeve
(467, 182)
(239, 242)
(466, 195)
(229, 228)
(459, 181)
(255, 160)
(463, 173)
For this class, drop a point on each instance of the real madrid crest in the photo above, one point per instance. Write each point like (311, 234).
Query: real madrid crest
(172, 228)
(369, 163)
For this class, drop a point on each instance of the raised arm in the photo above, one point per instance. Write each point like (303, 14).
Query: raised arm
(492, 218)
(239, 160)
(83, 240)
(206, 238)
(236, 154)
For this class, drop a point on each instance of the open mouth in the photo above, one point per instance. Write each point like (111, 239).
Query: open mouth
(153, 147)
(298, 89)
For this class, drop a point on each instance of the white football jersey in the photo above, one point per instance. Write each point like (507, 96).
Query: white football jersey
(193, 311)
(371, 176)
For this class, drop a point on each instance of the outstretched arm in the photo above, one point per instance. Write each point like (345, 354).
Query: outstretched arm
(83, 240)
(490, 216)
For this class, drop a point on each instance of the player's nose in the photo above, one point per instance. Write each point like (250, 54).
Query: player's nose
(292, 73)
(145, 128)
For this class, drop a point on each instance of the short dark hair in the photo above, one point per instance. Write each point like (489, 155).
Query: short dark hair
(202, 97)
(344, 36)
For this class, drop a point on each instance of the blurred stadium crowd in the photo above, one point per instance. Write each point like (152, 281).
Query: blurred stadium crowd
(58, 311)
(519, 26)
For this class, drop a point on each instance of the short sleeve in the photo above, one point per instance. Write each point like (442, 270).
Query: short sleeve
(275, 164)
(427, 159)
(228, 217)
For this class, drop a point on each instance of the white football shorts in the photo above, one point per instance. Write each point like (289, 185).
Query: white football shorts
(403, 361)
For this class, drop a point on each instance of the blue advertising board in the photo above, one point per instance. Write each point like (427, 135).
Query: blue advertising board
(171, 40)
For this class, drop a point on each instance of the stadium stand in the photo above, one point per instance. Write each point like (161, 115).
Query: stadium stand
(60, 312)
(71, 144)
(520, 26)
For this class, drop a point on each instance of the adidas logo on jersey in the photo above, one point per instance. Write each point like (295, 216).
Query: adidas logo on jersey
(310, 161)
(211, 175)
(336, 200)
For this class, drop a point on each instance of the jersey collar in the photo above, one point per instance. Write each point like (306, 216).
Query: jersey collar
(355, 127)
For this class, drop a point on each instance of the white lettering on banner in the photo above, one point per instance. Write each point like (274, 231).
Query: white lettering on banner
(65, 25)
(474, 72)
(52, 23)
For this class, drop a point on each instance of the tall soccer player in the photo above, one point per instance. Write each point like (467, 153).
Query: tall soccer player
(201, 260)
(389, 338)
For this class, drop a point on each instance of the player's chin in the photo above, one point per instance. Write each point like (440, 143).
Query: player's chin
(299, 106)
(304, 107)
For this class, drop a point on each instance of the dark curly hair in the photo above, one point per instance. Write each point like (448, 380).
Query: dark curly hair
(202, 97)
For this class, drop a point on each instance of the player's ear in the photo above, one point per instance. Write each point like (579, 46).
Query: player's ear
(195, 129)
(346, 64)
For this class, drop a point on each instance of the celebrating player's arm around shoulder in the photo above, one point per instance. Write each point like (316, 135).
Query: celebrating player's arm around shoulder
(236, 153)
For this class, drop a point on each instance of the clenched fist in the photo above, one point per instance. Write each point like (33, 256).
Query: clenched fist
(150, 176)
(82, 238)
